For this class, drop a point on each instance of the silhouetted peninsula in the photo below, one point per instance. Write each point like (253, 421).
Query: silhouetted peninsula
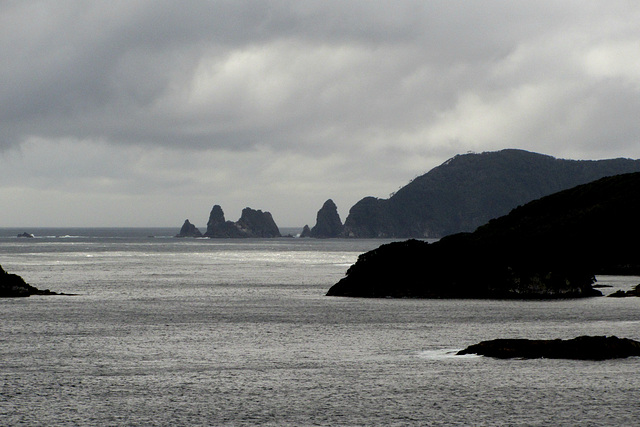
(468, 190)
(12, 285)
(580, 348)
(252, 223)
(549, 248)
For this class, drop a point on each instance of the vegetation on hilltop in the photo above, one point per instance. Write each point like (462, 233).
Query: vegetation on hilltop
(470, 189)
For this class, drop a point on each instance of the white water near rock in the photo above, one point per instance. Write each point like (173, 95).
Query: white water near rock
(170, 331)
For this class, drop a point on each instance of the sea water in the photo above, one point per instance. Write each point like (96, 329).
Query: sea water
(166, 331)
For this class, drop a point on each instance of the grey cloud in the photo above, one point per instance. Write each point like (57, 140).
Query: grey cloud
(128, 71)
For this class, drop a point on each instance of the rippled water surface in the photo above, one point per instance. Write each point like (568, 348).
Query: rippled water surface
(169, 331)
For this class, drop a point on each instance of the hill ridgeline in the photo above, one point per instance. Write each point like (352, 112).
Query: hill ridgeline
(468, 190)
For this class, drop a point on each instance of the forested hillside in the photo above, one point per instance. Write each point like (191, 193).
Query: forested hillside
(470, 189)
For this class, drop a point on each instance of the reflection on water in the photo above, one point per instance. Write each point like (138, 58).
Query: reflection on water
(183, 332)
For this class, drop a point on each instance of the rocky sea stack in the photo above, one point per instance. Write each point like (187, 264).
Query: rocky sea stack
(189, 230)
(580, 348)
(328, 223)
(12, 285)
(252, 223)
(549, 248)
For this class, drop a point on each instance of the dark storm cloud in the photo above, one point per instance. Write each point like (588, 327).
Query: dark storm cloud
(235, 74)
(288, 99)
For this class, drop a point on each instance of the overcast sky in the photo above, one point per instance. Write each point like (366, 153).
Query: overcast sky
(145, 113)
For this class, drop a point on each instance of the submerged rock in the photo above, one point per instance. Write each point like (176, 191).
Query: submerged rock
(635, 292)
(12, 285)
(26, 235)
(580, 348)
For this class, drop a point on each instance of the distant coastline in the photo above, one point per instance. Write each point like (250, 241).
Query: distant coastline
(106, 232)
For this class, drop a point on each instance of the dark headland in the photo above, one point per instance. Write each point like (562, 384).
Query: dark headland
(549, 248)
(470, 189)
(12, 285)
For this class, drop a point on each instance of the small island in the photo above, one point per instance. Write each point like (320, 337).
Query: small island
(580, 348)
(189, 230)
(13, 286)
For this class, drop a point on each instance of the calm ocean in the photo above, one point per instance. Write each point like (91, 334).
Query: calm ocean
(168, 332)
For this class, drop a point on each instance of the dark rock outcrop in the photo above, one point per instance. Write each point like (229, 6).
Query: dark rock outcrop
(470, 189)
(255, 223)
(580, 348)
(189, 230)
(26, 235)
(12, 285)
(306, 231)
(635, 292)
(252, 223)
(328, 223)
(217, 226)
(549, 248)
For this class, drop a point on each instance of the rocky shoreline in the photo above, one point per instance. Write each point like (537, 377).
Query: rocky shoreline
(635, 292)
(580, 348)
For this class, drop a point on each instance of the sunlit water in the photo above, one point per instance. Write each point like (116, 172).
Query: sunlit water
(169, 331)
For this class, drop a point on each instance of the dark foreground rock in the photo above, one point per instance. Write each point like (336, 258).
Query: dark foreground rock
(12, 285)
(580, 348)
(549, 248)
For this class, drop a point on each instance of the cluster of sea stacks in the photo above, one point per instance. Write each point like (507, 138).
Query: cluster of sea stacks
(252, 223)
(460, 195)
